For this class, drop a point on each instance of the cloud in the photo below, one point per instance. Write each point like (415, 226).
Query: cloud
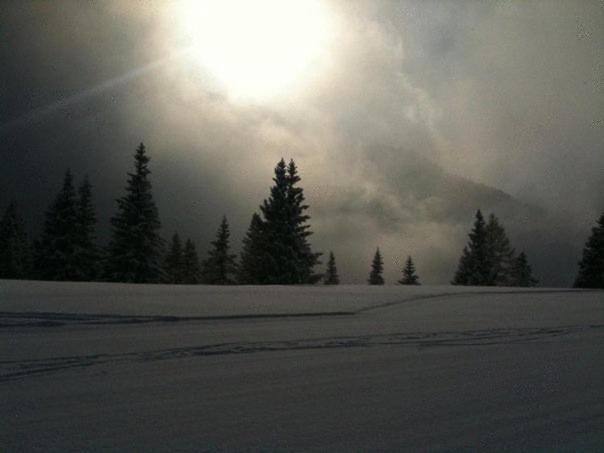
(413, 101)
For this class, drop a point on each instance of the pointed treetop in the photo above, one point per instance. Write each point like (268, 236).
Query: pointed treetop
(331, 275)
(409, 275)
(377, 268)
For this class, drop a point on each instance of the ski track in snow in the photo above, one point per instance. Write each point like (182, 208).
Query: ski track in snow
(13, 319)
(20, 369)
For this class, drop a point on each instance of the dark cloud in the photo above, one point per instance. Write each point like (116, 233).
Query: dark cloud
(423, 112)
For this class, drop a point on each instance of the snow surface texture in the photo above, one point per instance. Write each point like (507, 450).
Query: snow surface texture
(90, 366)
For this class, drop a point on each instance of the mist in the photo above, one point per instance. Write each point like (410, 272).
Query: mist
(420, 113)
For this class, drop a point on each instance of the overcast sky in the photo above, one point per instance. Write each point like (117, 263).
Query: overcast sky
(407, 96)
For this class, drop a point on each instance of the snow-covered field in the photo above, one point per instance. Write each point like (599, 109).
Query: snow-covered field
(87, 366)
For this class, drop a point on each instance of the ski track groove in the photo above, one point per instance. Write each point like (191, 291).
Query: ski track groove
(20, 369)
(58, 319)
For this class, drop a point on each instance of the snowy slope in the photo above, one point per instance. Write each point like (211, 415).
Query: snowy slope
(88, 367)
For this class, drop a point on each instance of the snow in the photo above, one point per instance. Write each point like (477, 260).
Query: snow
(94, 366)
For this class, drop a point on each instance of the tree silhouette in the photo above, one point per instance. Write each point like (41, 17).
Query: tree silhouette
(331, 274)
(252, 260)
(591, 266)
(173, 262)
(377, 268)
(55, 252)
(191, 270)
(473, 267)
(521, 272)
(500, 255)
(86, 252)
(409, 275)
(135, 248)
(15, 254)
(287, 254)
(220, 268)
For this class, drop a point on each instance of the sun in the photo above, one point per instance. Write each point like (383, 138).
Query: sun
(257, 49)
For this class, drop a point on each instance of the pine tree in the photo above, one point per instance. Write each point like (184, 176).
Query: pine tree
(377, 268)
(86, 253)
(331, 274)
(473, 268)
(288, 255)
(591, 266)
(55, 252)
(500, 255)
(191, 270)
(173, 262)
(135, 248)
(409, 275)
(251, 269)
(220, 267)
(15, 258)
(521, 273)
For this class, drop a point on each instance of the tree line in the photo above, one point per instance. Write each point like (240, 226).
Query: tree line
(275, 249)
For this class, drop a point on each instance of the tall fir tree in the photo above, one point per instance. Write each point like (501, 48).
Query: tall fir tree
(191, 269)
(15, 253)
(55, 252)
(220, 267)
(473, 267)
(521, 272)
(252, 268)
(134, 251)
(591, 266)
(173, 262)
(500, 254)
(86, 252)
(331, 274)
(377, 269)
(409, 275)
(288, 256)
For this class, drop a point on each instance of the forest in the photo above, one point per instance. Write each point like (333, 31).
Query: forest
(275, 249)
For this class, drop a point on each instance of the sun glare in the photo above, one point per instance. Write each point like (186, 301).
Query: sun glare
(256, 48)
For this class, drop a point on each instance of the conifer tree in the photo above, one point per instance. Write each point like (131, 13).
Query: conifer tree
(86, 252)
(15, 258)
(377, 268)
(500, 255)
(473, 268)
(251, 270)
(288, 256)
(173, 262)
(135, 249)
(521, 273)
(191, 270)
(409, 275)
(220, 267)
(591, 266)
(331, 274)
(55, 252)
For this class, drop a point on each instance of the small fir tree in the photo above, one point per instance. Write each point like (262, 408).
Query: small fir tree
(473, 268)
(191, 270)
(173, 262)
(591, 266)
(331, 274)
(15, 258)
(135, 249)
(220, 268)
(55, 252)
(409, 275)
(521, 273)
(86, 253)
(251, 269)
(377, 268)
